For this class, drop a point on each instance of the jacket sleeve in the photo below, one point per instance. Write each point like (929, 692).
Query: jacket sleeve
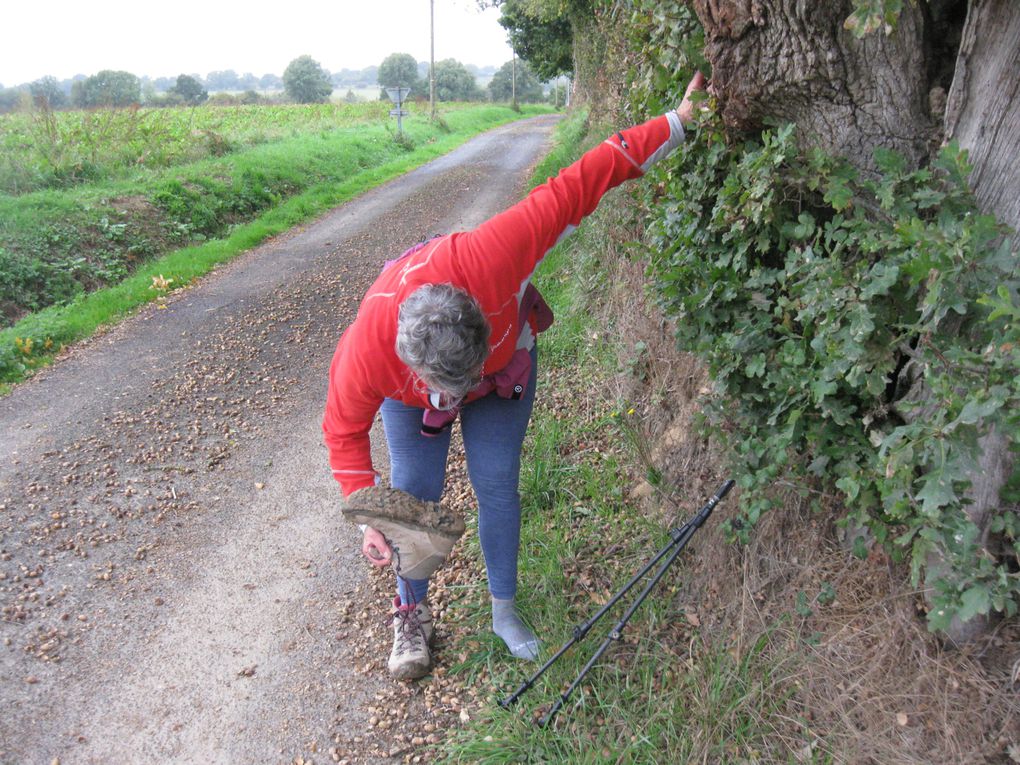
(513, 243)
(350, 411)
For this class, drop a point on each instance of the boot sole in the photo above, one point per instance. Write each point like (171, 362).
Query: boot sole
(399, 507)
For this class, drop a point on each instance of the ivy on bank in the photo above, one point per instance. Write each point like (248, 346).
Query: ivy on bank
(862, 334)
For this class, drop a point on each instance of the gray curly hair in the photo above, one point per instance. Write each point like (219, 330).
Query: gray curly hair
(443, 337)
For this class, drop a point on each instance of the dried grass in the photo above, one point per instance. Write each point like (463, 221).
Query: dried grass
(868, 683)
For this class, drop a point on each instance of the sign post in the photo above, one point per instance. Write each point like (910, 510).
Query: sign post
(397, 96)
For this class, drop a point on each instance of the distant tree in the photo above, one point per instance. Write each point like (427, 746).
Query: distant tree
(163, 84)
(400, 70)
(224, 80)
(10, 99)
(306, 82)
(454, 82)
(529, 89)
(47, 91)
(355, 78)
(545, 42)
(189, 89)
(149, 94)
(107, 88)
(78, 93)
(558, 94)
(247, 81)
(270, 82)
(351, 97)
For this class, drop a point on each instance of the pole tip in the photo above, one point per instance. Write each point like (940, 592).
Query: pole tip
(725, 488)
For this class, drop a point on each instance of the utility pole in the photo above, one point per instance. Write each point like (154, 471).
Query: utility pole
(513, 79)
(432, 58)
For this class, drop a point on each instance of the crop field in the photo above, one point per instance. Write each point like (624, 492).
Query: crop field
(94, 201)
(46, 149)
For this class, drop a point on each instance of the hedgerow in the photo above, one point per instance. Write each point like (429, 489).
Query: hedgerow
(862, 333)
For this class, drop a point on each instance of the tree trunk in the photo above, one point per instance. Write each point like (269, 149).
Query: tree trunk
(983, 110)
(983, 114)
(792, 59)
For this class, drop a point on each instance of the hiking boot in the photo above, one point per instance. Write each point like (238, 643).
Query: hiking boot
(410, 657)
(421, 534)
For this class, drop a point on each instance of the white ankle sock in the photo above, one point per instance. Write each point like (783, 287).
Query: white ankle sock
(508, 625)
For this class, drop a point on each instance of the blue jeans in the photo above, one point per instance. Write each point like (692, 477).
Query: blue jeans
(493, 429)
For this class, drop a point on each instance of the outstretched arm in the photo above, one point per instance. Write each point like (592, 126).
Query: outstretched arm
(510, 245)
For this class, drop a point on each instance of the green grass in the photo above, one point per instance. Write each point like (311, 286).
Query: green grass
(662, 694)
(45, 149)
(219, 207)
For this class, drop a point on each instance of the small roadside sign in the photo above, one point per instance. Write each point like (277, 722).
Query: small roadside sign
(397, 96)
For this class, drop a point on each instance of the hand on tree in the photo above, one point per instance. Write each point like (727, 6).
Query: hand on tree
(374, 547)
(687, 108)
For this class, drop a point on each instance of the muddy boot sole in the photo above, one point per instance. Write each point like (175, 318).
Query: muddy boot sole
(374, 504)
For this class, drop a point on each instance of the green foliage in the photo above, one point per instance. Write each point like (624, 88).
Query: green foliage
(528, 88)
(108, 88)
(47, 92)
(306, 81)
(671, 41)
(226, 79)
(11, 99)
(454, 82)
(873, 15)
(400, 70)
(190, 90)
(76, 246)
(817, 298)
(30, 283)
(43, 149)
(543, 35)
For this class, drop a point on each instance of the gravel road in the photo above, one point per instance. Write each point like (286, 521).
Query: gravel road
(176, 580)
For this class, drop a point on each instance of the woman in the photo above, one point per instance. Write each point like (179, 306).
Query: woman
(450, 329)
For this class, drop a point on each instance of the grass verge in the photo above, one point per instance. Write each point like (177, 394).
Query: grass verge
(660, 694)
(325, 170)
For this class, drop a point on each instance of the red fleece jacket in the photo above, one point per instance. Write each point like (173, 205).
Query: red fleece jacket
(493, 263)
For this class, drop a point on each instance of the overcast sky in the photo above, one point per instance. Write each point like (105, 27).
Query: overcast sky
(67, 37)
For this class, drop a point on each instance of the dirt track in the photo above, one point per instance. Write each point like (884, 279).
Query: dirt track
(173, 566)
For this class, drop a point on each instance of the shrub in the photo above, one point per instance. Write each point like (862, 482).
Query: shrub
(28, 284)
(815, 297)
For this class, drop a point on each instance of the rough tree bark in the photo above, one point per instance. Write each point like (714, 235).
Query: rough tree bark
(793, 60)
(983, 110)
(983, 114)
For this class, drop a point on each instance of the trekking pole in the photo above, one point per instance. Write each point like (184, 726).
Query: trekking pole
(680, 537)
(581, 630)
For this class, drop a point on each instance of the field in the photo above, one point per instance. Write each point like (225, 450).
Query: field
(46, 149)
(88, 199)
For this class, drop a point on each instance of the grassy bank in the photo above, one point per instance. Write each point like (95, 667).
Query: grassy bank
(662, 694)
(99, 251)
(45, 149)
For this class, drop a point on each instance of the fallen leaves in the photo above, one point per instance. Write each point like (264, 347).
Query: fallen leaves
(160, 284)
